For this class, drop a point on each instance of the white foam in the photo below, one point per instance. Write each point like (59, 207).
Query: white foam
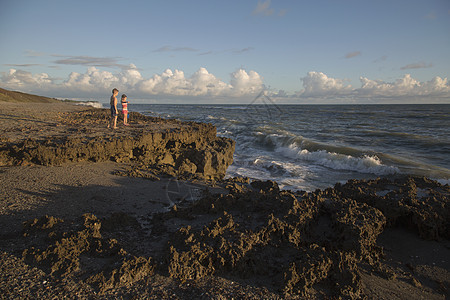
(336, 161)
(443, 181)
(91, 103)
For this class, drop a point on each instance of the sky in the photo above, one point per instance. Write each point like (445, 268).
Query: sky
(208, 51)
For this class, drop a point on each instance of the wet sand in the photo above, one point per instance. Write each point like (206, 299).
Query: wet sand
(83, 230)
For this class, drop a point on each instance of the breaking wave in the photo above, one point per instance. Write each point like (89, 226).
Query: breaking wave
(302, 150)
(91, 103)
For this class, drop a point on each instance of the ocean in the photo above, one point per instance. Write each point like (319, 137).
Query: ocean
(308, 147)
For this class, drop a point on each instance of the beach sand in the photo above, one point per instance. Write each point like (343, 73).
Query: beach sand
(79, 230)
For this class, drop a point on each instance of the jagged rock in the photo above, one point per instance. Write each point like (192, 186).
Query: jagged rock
(412, 202)
(265, 186)
(74, 252)
(195, 145)
(289, 243)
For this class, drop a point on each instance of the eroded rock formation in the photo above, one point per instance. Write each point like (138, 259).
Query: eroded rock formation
(174, 146)
(296, 244)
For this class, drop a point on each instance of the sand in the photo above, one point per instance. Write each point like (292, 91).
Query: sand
(79, 230)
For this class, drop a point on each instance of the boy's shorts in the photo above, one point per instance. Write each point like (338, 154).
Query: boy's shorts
(113, 112)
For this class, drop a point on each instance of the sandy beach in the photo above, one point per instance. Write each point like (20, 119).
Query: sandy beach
(144, 212)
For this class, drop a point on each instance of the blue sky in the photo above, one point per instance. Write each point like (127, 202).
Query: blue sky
(317, 51)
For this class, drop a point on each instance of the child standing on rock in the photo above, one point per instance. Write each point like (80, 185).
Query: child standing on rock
(114, 112)
(125, 109)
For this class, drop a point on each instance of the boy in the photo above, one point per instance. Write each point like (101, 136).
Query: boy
(114, 112)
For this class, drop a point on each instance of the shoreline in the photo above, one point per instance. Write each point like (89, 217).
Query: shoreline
(211, 247)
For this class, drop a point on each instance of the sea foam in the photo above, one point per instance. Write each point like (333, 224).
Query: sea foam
(331, 156)
(91, 103)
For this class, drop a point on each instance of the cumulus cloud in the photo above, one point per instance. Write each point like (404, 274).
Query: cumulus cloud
(244, 83)
(403, 87)
(202, 83)
(95, 82)
(23, 79)
(205, 83)
(91, 81)
(317, 84)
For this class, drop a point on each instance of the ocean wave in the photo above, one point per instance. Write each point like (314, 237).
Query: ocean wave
(370, 164)
(285, 139)
(333, 157)
(91, 103)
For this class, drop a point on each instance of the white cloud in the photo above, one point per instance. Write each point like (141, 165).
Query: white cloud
(131, 76)
(168, 83)
(95, 82)
(317, 84)
(202, 83)
(244, 83)
(20, 78)
(404, 87)
(92, 81)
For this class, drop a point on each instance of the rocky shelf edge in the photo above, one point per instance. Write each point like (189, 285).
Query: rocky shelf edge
(173, 147)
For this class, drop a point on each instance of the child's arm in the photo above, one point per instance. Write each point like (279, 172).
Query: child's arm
(115, 105)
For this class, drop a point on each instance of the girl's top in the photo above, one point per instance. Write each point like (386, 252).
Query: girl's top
(125, 106)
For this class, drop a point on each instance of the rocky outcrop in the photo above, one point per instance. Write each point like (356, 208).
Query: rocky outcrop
(289, 242)
(73, 251)
(178, 147)
(294, 244)
(419, 204)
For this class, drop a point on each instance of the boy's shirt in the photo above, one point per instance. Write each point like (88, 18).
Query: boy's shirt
(112, 100)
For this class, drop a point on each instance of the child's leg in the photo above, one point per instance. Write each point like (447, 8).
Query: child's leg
(115, 122)
(125, 118)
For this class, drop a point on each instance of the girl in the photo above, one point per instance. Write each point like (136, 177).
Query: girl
(125, 109)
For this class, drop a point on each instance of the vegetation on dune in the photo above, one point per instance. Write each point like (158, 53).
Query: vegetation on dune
(12, 96)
